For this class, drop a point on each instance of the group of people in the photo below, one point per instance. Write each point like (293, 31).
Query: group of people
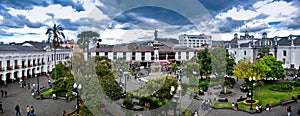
(234, 106)
(3, 93)
(29, 110)
(206, 104)
(258, 108)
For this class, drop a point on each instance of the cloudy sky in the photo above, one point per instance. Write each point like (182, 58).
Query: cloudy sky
(134, 20)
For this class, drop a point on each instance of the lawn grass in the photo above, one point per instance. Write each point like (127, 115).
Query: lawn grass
(217, 104)
(265, 95)
(48, 92)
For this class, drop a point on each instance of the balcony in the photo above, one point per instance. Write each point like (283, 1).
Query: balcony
(43, 63)
(29, 65)
(9, 68)
(34, 65)
(24, 66)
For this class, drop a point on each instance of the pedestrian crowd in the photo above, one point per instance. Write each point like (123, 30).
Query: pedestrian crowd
(29, 110)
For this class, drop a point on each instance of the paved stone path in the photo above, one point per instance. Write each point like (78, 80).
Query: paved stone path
(23, 97)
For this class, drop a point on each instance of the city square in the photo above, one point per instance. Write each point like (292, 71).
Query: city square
(149, 58)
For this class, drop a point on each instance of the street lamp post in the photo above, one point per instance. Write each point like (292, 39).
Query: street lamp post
(77, 87)
(125, 74)
(195, 75)
(38, 85)
(251, 93)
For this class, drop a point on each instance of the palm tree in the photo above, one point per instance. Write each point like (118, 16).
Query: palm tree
(85, 38)
(55, 38)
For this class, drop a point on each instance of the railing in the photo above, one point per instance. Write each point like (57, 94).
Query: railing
(29, 65)
(43, 63)
(34, 65)
(23, 66)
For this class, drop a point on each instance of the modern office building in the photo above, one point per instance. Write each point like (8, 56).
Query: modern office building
(29, 59)
(195, 41)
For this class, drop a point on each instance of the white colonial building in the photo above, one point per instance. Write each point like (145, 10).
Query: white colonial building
(285, 49)
(195, 41)
(146, 53)
(29, 59)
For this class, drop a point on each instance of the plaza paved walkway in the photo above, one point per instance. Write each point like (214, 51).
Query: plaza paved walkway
(22, 96)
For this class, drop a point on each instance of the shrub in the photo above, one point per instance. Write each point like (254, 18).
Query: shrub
(295, 83)
(186, 112)
(127, 102)
(229, 81)
(282, 87)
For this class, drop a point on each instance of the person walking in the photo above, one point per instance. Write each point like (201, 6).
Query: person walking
(2, 92)
(28, 110)
(1, 108)
(5, 93)
(289, 110)
(32, 111)
(65, 113)
(17, 108)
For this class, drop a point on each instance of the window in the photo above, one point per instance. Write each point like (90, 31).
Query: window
(284, 52)
(97, 53)
(234, 52)
(283, 61)
(292, 66)
(245, 53)
(106, 53)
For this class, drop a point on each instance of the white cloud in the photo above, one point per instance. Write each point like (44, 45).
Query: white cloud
(277, 9)
(238, 14)
(39, 14)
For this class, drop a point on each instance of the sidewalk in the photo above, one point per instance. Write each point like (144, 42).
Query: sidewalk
(23, 97)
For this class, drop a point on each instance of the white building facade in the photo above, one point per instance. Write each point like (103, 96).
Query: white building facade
(146, 53)
(28, 60)
(195, 41)
(285, 49)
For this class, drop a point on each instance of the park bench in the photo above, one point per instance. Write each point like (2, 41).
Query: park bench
(222, 99)
(288, 101)
(43, 88)
(241, 99)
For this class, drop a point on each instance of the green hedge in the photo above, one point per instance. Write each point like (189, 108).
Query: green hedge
(295, 83)
(282, 87)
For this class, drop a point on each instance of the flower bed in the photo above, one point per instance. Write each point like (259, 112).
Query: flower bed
(248, 102)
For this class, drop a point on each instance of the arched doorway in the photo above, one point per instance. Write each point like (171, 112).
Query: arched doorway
(8, 79)
(16, 76)
(28, 74)
(33, 72)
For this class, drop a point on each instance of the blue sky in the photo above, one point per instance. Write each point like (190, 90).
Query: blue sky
(134, 20)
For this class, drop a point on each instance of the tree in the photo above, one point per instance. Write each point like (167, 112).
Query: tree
(55, 37)
(243, 69)
(270, 67)
(264, 51)
(61, 71)
(204, 60)
(106, 78)
(218, 62)
(85, 38)
(174, 66)
(230, 63)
